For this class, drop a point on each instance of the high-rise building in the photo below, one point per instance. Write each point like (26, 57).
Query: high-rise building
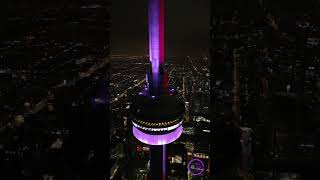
(224, 103)
(158, 113)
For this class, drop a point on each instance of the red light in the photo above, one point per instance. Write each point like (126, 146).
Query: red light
(139, 148)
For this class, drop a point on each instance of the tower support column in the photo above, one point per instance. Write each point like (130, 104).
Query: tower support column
(158, 159)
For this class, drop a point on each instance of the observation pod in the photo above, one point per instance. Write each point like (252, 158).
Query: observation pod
(158, 120)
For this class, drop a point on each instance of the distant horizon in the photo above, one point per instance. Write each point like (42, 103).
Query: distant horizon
(147, 55)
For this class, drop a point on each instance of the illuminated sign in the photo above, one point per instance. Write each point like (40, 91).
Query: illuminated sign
(195, 167)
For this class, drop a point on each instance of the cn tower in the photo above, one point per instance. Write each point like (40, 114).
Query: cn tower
(157, 111)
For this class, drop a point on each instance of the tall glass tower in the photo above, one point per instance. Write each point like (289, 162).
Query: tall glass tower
(158, 113)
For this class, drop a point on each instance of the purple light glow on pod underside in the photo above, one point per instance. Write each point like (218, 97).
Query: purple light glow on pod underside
(157, 139)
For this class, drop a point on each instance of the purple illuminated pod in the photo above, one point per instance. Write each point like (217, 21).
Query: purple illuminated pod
(157, 111)
(161, 139)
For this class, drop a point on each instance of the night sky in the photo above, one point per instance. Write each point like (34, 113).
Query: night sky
(186, 27)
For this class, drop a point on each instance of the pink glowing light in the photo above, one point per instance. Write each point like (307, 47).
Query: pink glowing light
(157, 139)
(156, 34)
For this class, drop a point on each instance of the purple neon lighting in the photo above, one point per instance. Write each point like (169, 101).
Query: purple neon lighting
(156, 34)
(164, 157)
(198, 165)
(157, 139)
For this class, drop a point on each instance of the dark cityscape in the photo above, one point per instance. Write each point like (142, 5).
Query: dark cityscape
(159, 90)
(54, 68)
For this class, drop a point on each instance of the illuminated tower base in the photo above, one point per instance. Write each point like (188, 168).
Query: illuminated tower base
(158, 162)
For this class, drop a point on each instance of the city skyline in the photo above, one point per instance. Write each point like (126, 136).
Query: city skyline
(232, 91)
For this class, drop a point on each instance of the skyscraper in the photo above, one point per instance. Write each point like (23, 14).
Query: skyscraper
(158, 113)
